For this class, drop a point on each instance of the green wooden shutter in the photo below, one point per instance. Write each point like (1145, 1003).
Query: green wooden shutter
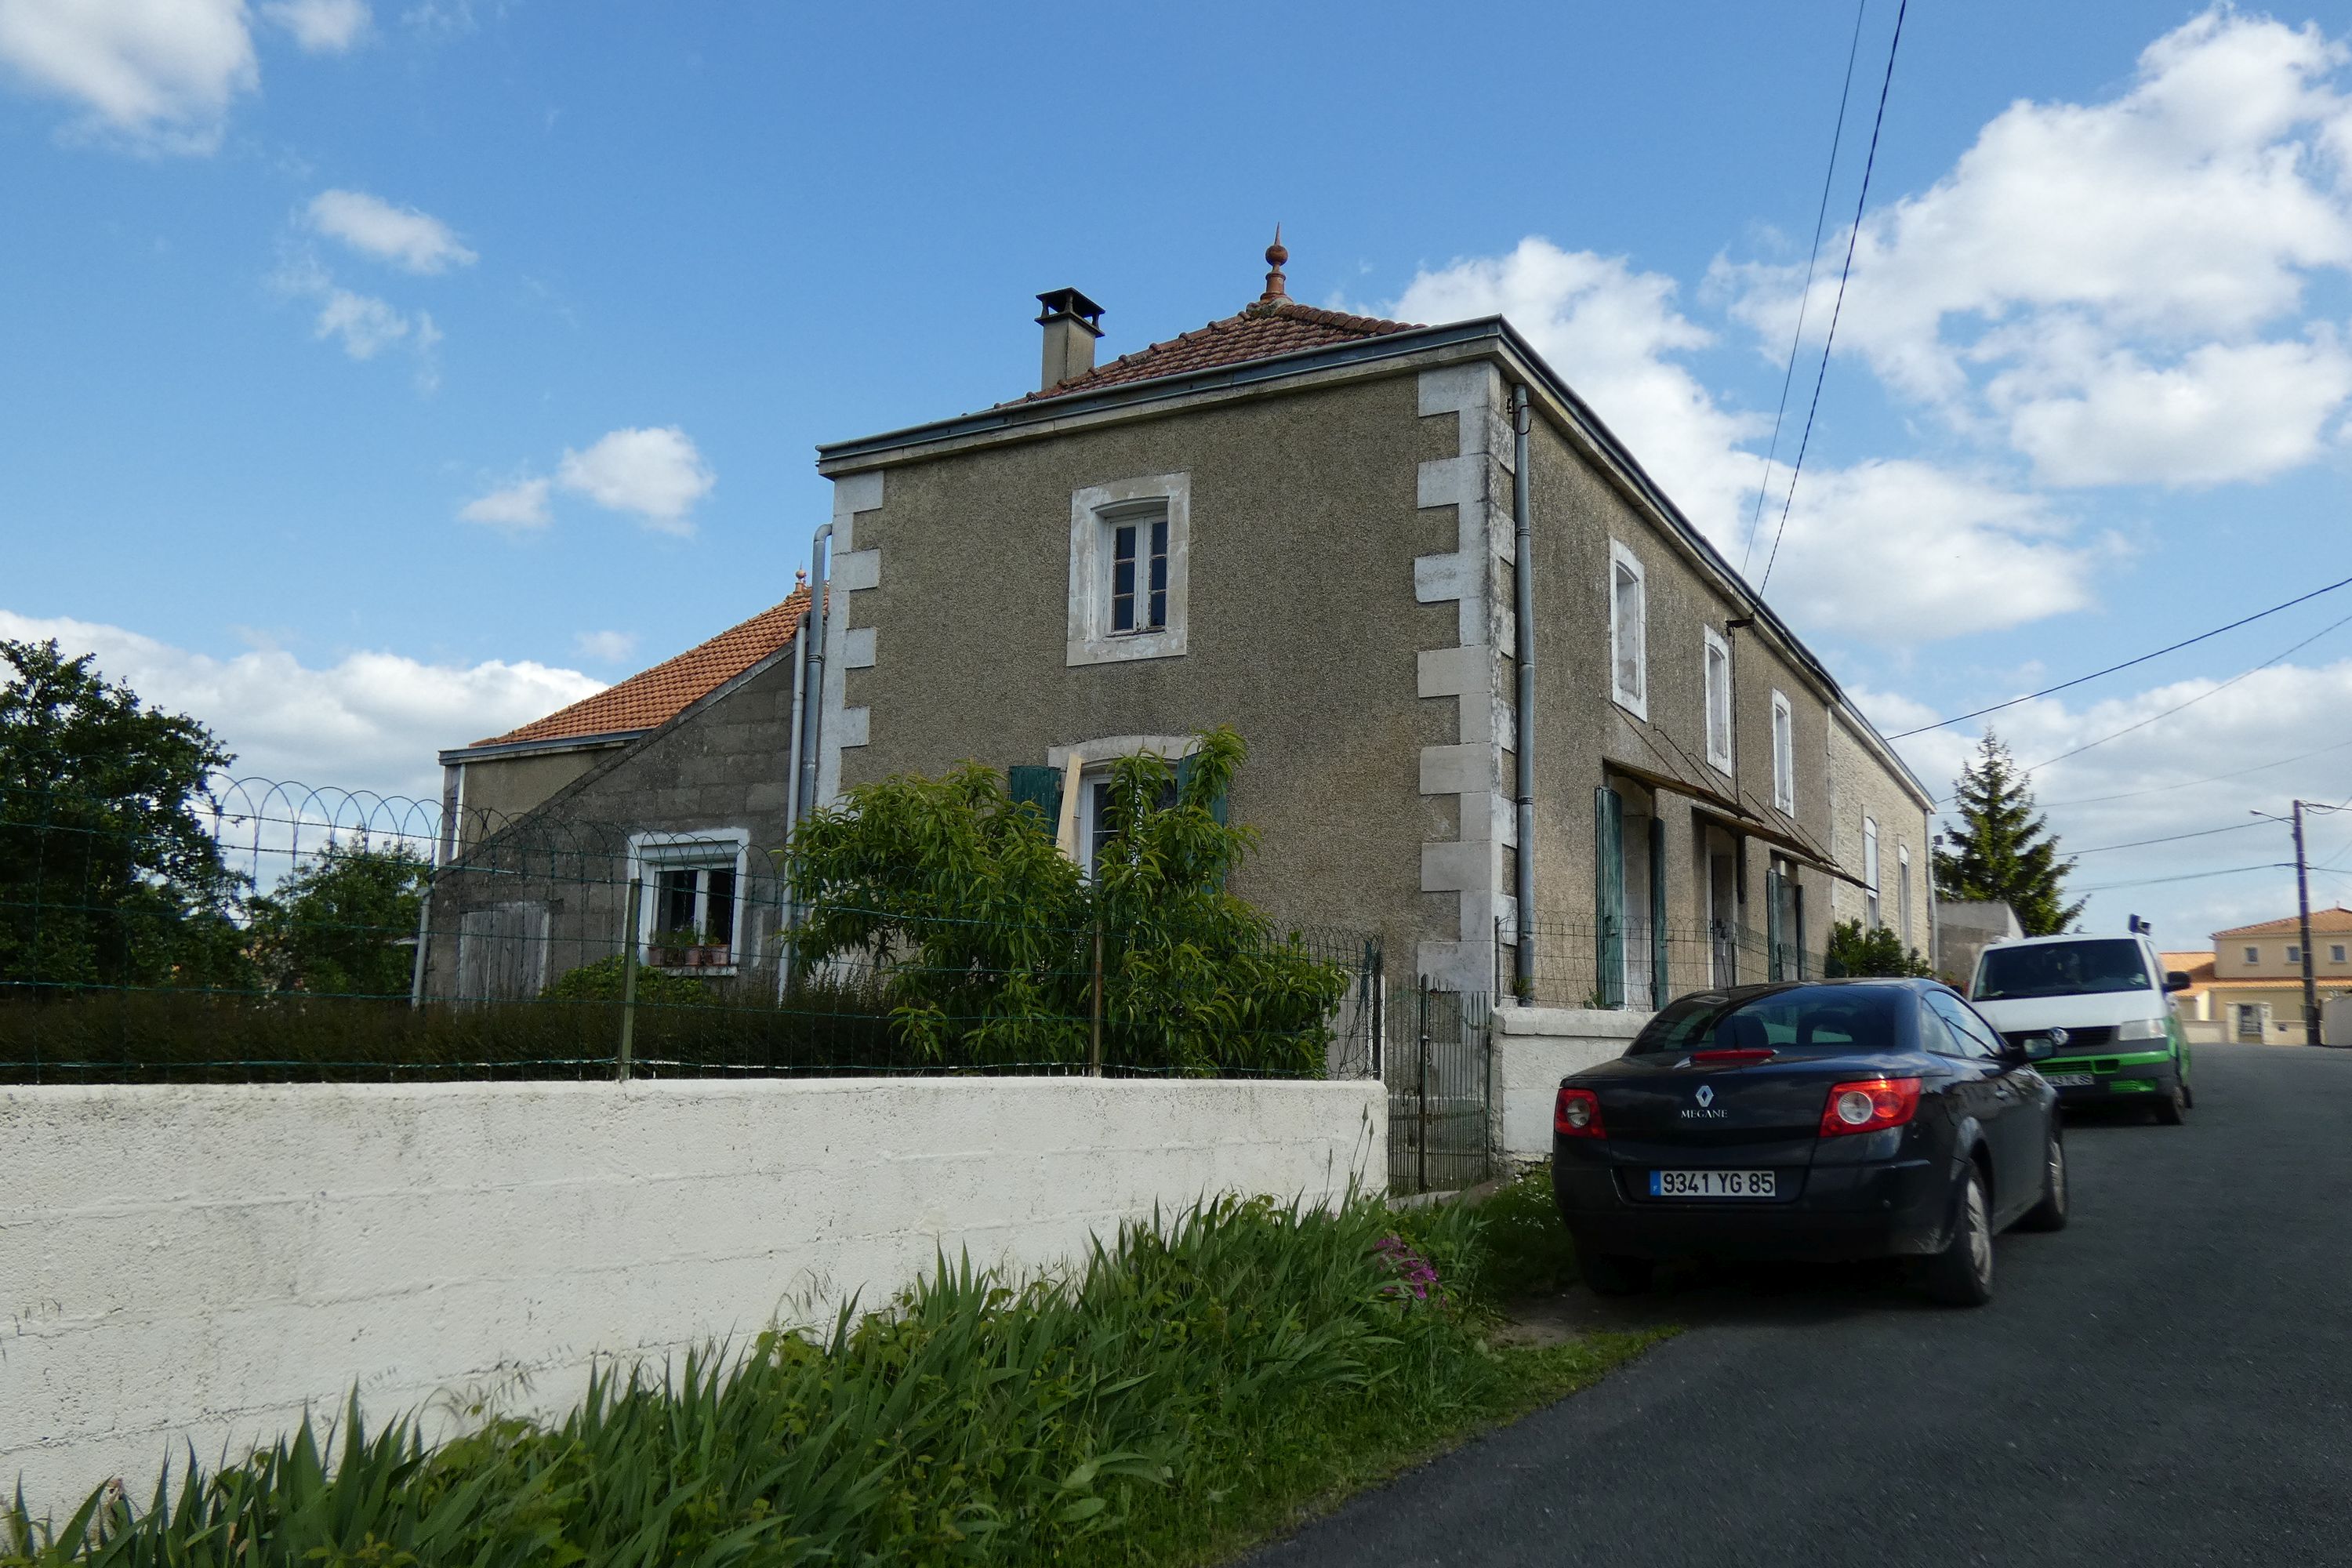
(1659, 989)
(1183, 781)
(1031, 783)
(1797, 918)
(1609, 897)
(1772, 924)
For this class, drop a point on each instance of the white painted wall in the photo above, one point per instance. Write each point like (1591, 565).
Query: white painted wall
(197, 1263)
(1534, 1047)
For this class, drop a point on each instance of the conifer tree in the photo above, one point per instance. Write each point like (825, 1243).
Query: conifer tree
(2003, 848)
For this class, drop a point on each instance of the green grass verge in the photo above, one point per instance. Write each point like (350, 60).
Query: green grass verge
(1199, 1385)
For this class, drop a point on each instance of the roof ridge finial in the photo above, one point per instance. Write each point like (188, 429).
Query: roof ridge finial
(1275, 256)
(800, 577)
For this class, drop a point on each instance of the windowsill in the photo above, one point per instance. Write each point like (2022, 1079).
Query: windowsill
(1723, 766)
(1637, 707)
(1117, 647)
(724, 971)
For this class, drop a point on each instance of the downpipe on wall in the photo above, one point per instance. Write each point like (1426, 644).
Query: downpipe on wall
(1523, 643)
(808, 721)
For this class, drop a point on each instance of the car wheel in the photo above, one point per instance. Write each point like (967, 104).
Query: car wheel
(1961, 1275)
(2173, 1109)
(1611, 1274)
(2050, 1214)
(2188, 1094)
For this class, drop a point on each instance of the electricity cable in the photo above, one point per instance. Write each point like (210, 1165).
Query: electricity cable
(1852, 236)
(2190, 877)
(2191, 784)
(2169, 838)
(1812, 259)
(2143, 658)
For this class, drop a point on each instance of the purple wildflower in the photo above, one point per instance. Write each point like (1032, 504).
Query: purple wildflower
(1414, 1273)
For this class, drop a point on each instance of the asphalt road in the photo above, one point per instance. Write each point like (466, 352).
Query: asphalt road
(2167, 1381)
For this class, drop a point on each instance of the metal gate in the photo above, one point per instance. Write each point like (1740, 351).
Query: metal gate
(1440, 1077)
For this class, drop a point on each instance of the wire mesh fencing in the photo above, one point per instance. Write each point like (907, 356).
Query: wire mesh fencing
(1641, 965)
(271, 932)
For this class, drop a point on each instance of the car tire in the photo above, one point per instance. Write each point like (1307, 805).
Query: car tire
(2173, 1109)
(2050, 1214)
(1612, 1274)
(1961, 1275)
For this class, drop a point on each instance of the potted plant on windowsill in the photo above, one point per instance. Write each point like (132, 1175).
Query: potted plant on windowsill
(673, 949)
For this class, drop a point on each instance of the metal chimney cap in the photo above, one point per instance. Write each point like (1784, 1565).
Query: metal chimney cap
(1069, 304)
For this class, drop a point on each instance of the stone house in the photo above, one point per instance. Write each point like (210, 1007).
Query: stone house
(1483, 665)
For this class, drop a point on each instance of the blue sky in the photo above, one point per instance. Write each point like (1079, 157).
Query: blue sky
(293, 287)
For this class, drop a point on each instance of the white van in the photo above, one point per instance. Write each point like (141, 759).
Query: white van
(2100, 1004)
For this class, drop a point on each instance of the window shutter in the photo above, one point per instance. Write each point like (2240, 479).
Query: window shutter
(1609, 897)
(1659, 990)
(1032, 784)
(1772, 925)
(1184, 782)
(1797, 918)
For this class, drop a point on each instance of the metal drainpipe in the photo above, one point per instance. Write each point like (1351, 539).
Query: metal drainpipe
(811, 716)
(1523, 644)
(787, 914)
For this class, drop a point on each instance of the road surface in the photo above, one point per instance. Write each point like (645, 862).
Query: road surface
(2167, 1381)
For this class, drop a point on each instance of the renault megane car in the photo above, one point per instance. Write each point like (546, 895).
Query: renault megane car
(1843, 1118)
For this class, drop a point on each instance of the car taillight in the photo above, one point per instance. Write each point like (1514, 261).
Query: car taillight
(1576, 1114)
(1869, 1104)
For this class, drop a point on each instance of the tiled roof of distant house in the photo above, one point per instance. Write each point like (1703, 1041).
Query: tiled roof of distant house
(655, 696)
(1274, 324)
(2337, 919)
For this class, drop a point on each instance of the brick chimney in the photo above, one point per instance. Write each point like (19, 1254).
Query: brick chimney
(1072, 324)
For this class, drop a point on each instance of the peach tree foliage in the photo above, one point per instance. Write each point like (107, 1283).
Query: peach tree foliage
(980, 933)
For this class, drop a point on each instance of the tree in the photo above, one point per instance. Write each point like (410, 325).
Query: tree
(980, 934)
(1854, 950)
(2003, 848)
(336, 926)
(107, 875)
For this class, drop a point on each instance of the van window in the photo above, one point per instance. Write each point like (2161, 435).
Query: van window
(2089, 967)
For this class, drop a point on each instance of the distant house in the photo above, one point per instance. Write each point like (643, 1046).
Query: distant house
(2256, 989)
(1339, 535)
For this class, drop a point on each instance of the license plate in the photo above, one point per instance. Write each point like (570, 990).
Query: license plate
(2070, 1079)
(1712, 1183)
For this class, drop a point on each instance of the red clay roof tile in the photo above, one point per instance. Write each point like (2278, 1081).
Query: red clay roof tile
(1259, 332)
(655, 696)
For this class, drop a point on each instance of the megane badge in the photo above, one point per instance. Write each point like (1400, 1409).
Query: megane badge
(1706, 1096)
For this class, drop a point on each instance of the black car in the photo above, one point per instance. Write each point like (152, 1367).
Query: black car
(1839, 1119)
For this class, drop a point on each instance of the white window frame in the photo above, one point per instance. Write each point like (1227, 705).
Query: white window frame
(1716, 648)
(2295, 952)
(1903, 892)
(1784, 753)
(1094, 514)
(650, 854)
(1637, 701)
(2253, 955)
(2335, 952)
(1870, 871)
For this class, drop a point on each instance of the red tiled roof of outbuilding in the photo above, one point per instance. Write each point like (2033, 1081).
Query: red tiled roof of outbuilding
(1259, 332)
(655, 696)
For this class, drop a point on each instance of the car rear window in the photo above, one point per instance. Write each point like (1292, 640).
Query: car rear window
(2090, 967)
(1823, 1018)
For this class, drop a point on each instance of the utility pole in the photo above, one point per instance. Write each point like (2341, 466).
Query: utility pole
(2303, 912)
(2303, 916)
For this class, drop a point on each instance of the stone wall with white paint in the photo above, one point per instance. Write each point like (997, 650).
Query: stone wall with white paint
(197, 1264)
(1534, 1048)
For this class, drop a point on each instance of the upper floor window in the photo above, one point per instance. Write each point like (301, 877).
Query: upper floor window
(1870, 871)
(2253, 955)
(1131, 551)
(2293, 953)
(2336, 953)
(1718, 700)
(1628, 637)
(1784, 754)
(1902, 892)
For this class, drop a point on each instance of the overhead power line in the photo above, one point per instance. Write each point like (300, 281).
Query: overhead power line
(2191, 784)
(2168, 838)
(1812, 257)
(2143, 658)
(2190, 877)
(1852, 236)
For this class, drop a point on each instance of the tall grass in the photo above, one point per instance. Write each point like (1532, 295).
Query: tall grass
(1188, 1386)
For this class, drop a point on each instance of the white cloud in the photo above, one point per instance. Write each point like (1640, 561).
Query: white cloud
(2101, 283)
(408, 238)
(364, 323)
(156, 75)
(519, 506)
(606, 648)
(372, 719)
(1895, 552)
(321, 26)
(656, 473)
(2153, 784)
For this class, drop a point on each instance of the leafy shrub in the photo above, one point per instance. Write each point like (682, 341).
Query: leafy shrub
(603, 981)
(1855, 952)
(981, 932)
